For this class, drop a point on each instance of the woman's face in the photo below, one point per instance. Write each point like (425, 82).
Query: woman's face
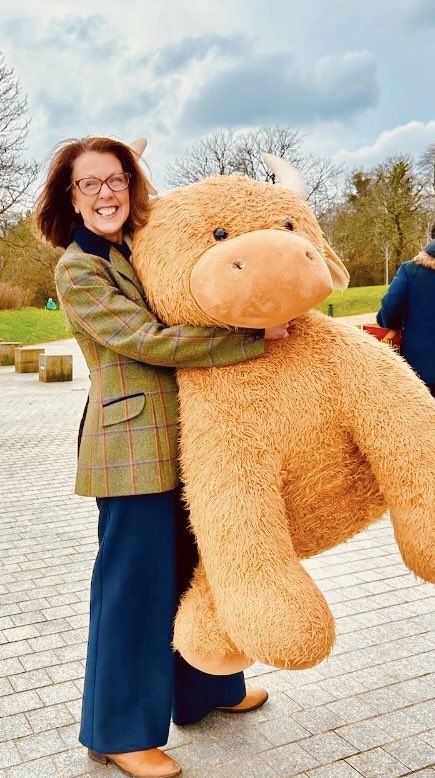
(104, 213)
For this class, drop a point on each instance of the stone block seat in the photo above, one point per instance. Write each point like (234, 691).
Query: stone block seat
(27, 359)
(55, 367)
(7, 351)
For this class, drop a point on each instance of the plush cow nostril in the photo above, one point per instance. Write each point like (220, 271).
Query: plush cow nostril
(310, 256)
(238, 264)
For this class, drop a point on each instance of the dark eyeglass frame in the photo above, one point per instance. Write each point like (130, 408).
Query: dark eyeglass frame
(106, 181)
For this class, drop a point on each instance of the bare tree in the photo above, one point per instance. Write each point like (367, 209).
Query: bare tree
(27, 262)
(210, 156)
(426, 166)
(16, 174)
(426, 170)
(325, 181)
(381, 222)
(251, 145)
(227, 153)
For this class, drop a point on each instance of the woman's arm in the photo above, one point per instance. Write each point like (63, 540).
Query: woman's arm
(394, 303)
(97, 307)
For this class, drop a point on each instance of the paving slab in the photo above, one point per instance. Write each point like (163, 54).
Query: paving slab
(368, 710)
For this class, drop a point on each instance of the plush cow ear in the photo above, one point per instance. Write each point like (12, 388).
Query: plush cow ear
(138, 147)
(287, 175)
(339, 274)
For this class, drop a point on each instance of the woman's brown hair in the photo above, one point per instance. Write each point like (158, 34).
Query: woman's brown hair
(55, 217)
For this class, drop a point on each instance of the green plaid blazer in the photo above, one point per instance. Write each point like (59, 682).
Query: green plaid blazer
(130, 435)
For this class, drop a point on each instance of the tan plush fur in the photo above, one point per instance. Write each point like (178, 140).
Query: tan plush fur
(286, 455)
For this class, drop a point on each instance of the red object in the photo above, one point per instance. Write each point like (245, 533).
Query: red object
(392, 338)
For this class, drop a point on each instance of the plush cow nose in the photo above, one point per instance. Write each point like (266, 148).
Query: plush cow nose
(260, 279)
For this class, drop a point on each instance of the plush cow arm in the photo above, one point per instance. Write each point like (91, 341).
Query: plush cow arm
(391, 416)
(261, 605)
(196, 617)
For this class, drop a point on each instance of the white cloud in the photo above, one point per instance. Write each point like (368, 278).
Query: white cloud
(422, 14)
(409, 139)
(260, 87)
(173, 70)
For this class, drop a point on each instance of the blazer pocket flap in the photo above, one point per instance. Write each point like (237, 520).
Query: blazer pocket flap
(123, 408)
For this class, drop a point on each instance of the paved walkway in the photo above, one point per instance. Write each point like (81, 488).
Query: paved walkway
(368, 710)
(359, 318)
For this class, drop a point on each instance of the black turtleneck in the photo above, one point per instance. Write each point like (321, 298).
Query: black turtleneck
(91, 243)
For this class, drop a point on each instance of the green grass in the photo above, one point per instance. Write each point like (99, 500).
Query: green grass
(358, 299)
(32, 325)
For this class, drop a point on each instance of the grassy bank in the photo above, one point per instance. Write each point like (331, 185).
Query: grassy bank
(32, 325)
(358, 299)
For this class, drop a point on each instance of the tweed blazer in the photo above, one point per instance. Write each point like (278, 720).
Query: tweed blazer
(129, 443)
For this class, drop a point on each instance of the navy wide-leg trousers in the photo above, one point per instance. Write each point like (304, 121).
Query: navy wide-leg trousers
(133, 678)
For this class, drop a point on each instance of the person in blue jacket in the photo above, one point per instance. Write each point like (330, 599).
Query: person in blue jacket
(409, 305)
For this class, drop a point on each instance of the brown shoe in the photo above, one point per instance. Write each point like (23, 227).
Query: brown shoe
(254, 699)
(151, 763)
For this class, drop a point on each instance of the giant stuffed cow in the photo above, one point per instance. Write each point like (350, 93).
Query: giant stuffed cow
(291, 453)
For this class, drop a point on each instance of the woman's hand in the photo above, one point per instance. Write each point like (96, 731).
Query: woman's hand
(276, 333)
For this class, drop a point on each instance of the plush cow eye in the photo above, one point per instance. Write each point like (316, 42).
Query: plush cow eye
(288, 224)
(220, 234)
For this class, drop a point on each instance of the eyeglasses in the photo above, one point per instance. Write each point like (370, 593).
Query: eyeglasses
(92, 186)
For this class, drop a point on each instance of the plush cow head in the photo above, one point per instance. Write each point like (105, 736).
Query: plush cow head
(233, 251)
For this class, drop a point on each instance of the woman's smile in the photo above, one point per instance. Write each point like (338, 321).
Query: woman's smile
(106, 212)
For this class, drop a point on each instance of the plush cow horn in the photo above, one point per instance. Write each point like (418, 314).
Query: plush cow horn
(287, 175)
(138, 147)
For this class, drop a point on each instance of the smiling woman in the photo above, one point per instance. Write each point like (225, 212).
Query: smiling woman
(100, 193)
(94, 194)
(85, 178)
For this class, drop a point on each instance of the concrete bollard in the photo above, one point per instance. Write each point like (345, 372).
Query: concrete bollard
(55, 367)
(7, 351)
(27, 359)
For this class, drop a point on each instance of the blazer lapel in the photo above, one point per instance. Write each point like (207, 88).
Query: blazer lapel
(124, 268)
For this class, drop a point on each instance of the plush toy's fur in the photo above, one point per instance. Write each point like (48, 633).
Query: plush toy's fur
(289, 454)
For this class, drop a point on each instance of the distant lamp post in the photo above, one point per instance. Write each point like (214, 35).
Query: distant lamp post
(387, 262)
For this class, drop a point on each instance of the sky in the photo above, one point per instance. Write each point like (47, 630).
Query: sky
(355, 79)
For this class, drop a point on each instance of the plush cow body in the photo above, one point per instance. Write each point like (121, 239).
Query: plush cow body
(289, 454)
